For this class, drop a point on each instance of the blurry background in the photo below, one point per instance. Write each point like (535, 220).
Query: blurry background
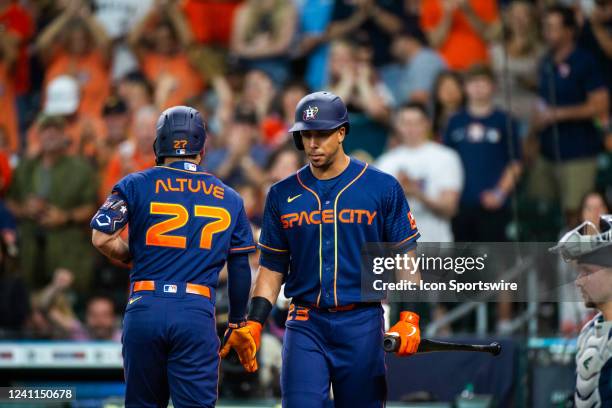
(494, 116)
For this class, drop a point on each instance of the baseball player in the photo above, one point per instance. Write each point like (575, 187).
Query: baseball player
(315, 224)
(184, 225)
(593, 256)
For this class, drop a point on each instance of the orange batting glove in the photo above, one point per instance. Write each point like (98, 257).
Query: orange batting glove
(408, 330)
(245, 339)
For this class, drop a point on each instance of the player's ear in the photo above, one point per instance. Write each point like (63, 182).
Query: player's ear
(341, 134)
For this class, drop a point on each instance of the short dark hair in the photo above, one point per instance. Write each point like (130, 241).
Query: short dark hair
(568, 17)
(480, 70)
(415, 106)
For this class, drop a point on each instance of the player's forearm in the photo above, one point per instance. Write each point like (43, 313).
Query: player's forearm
(268, 284)
(112, 246)
(238, 286)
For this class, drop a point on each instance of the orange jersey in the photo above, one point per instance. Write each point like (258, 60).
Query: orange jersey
(91, 71)
(463, 46)
(186, 81)
(8, 118)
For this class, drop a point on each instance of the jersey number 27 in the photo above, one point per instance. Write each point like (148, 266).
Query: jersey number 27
(157, 233)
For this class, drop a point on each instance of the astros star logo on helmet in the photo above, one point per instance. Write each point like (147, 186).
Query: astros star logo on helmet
(310, 113)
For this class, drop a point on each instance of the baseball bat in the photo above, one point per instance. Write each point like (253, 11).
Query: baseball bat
(391, 343)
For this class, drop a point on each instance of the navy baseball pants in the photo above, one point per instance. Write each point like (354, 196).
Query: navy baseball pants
(170, 349)
(343, 348)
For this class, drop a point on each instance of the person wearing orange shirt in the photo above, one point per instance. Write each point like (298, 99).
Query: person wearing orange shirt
(163, 55)
(85, 133)
(8, 118)
(134, 154)
(461, 29)
(75, 44)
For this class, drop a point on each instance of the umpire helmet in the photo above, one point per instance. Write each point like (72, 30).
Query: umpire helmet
(180, 132)
(588, 243)
(318, 111)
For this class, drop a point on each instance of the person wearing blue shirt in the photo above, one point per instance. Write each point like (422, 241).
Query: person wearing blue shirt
(412, 79)
(573, 97)
(487, 141)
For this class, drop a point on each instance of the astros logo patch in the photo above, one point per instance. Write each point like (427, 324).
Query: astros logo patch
(310, 113)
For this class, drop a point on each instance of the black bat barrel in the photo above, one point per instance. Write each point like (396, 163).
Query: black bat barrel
(392, 342)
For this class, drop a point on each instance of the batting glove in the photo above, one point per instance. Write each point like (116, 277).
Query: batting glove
(409, 333)
(245, 339)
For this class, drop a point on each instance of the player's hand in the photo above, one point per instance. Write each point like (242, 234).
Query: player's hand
(245, 340)
(408, 330)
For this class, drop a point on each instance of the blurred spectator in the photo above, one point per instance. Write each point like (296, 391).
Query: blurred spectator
(251, 197)
(16, 35)
(284, 162)
(161, 40)
(101, 321)
(211, 24)
(353, 78)
(274, 127)
(51, 211)
(258, 93)
(596, 37)
(53, 316)
(117, 123)
(461, 29)
(431, 174)
(117, 18)
(573, 96)
(6, 171)
(487, 141)
(376, 20)
(515, 61)
(84, 132)
(572, 313)
(314, 17)
(448, 99)
(413, 78)
(8, 119)
(244, 155)
(263, 31)
(136, 91)
(135, 154)
(75, 44)
(14, 297)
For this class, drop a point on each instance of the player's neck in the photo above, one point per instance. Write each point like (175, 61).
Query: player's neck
(335, 168)
(606, 310)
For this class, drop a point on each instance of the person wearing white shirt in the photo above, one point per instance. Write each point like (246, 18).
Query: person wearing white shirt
(430, 173)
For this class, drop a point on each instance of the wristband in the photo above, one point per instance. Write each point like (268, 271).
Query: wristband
(259, 309)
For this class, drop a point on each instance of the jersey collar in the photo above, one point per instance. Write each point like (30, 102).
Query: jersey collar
(184, 165)
(352, 170)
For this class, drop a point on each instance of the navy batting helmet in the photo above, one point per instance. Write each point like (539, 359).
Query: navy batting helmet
(318, 111)
(180, 132)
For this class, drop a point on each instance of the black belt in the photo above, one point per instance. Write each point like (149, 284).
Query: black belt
(342, 308)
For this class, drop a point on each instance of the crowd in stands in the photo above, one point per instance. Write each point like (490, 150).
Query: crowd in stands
(491, 114)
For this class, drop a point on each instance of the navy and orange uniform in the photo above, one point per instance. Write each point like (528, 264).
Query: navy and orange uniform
(319, 228)
(184, 224)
